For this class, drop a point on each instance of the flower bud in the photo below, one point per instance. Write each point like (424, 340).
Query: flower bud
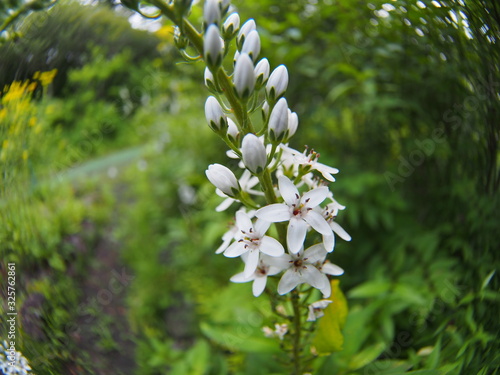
(278, 121)
(265, 111)
(277, 83)
(224, 6)
(235, 58)
(253, 153)
(216, 119)
(244, 76)
(213, 47)
(180, 41)
(261, 72)
(232, 130)
(209, 80)
(223, 179)
(211, 13)
(251, 46)
(244, 31)
(231, 26)
(293, 123)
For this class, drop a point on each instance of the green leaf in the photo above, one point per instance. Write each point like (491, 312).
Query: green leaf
(329, 337)
(370, 289)
(367, 355)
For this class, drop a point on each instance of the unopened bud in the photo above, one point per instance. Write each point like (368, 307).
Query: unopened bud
(223, 179)
(216, 118)
(277, 83)
(265, 111)
(244, 31)
(253, 153)
(244, 76)
(293, 123)
(251, 46)
(213, 48)
(224, 6)
(262, 72)
(211, 13)
(232, 130)
(278, 121)
(231, 26)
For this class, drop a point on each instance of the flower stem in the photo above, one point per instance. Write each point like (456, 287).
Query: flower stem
(297, 322)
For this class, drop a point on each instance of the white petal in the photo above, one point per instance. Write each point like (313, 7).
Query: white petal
(224, 245)
(332, 269)
(314, 197)
(314, 277)
(282, 262)
(261, 227)
(274, 213)
(271, 246)
(236, 249)
(259, 285)
(240, 278)
(329, 242)
(326, 290)
(226, 203)
(288, 190)
(289, 280)
(318, 222)
(243, 221)
(340, 231)
(251, 263)
(326, 168)
(296, 234)
(321, 304)
(315, 253)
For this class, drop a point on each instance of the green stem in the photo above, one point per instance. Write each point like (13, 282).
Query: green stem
(296, 350)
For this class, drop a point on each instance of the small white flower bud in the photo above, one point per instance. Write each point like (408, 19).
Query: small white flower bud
(262, 72)
(223, 179)
(252, 45)
(232, 130)
(265, 111)
(244, 31)
(209, 80)
(253, 153)
(244, 76)
(277, 83)
(211, 12)
(213, 47)
(293, 123)
(224, 6)
(278, 121)
(216, 119)
(231, 26)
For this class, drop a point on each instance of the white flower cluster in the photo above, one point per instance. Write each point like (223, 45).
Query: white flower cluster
(13, 362)
(302, 199)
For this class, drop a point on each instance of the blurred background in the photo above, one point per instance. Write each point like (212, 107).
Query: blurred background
(106, 211)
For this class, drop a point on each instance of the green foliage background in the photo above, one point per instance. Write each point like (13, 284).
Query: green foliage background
(401, 96)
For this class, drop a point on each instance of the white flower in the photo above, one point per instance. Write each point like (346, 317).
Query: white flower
(211, 12)
(259, 277)
(244, 31)
(278, 121)
(308, 267)
(311, 160)
(231, 234)
(279, 331)
(244, 76)
(224, 179)
(253, 153)
(277, 83)
(253, 241)
(213, 47)
(251, 46)
(231, 25)
(316, 309)
(262, 71)
(216, 118)
(299, 211)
